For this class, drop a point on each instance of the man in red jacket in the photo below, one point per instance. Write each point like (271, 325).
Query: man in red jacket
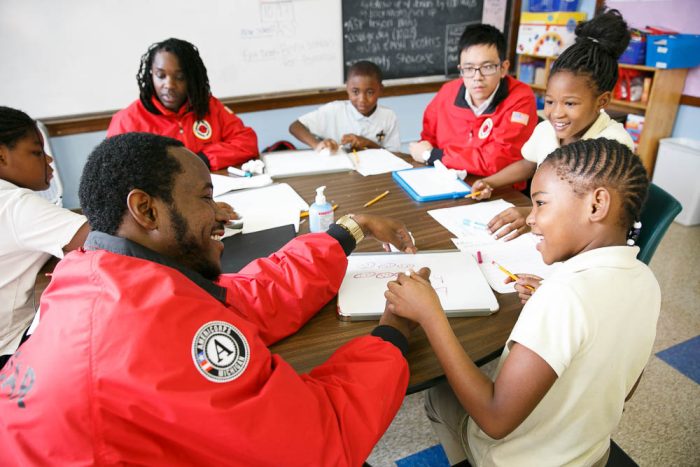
(147, 355)
(479, 122)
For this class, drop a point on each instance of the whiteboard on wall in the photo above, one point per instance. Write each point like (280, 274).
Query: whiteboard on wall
(73, 57)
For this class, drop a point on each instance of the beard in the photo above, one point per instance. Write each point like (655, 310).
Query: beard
(190, 252)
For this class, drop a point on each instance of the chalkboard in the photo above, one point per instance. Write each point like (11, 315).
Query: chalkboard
(412, 38)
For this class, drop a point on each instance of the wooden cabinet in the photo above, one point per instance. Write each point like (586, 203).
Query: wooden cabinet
(659, 110)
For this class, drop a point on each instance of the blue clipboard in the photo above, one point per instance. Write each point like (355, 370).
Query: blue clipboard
(428, 184)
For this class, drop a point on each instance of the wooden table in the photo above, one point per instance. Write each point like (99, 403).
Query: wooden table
(482, 337)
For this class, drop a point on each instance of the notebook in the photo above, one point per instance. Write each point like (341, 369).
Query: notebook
(430, 184)
(297, 163)
(455, 276)
(240, 250)
(377, 161)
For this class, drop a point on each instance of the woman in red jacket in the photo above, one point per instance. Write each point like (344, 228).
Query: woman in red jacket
(175, 100)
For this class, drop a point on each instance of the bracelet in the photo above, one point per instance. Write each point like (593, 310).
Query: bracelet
(352, 227)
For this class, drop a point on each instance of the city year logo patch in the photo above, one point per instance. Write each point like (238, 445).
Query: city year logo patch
(202, 129)
(486, 128)
(220, 351)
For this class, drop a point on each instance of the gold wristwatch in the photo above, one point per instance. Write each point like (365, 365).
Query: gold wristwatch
(352, 227)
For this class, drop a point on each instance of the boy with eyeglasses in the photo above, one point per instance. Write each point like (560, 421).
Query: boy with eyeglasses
(478, 122)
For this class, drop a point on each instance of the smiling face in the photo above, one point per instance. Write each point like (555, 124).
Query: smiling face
(169, 81)
(25, 163)
(192, 233)
(559, 216)
(363, 92)
(480, 87)
(572, 104)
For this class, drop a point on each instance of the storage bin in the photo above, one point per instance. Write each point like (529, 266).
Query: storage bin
(677, 171)
(673, 51)
(553, 5)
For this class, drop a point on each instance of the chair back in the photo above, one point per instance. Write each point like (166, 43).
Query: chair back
(657, 214)
(54, 193)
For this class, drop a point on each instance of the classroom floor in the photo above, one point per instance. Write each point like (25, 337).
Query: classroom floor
(661, 423)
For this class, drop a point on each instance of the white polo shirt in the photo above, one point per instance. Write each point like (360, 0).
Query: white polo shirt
(544, 139)
(594, 322)
(31, 230)
(338, 118)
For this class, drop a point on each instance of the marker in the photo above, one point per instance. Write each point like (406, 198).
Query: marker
(510, 274)
(304, 214)
(375, 199)
(475, 224)
(239, 172)
(478, 257)
(471, 195)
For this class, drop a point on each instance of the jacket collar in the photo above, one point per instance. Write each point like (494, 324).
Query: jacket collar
(500, 96)
(169, 113)
(122, 246)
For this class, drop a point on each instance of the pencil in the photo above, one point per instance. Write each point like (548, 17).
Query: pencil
(511, 275)
(304, 214)
(471, 195)
(374, 200)
(355, 159)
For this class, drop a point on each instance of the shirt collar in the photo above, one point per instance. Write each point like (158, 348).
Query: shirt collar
(598, 126)
(485, 105)
(122, 246)
(357, 115)
(619, 257)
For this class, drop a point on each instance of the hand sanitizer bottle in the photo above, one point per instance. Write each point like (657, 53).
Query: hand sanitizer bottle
(320, 213)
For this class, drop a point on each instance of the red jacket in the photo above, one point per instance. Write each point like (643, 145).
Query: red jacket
(114, 372)
(466, 141)
(221, 136)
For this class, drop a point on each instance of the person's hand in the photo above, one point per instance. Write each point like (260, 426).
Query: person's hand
(403, 325)
(417, 148)
(327, 143)
(412, 297)
(482, 186)
(386, 230)
(510, 222)
(356, 142)
(225, 213)
(525, 285)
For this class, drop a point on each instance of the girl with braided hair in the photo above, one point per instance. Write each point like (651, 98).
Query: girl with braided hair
(581, 341)
(31, 228)
(175, 101)
(579, 88)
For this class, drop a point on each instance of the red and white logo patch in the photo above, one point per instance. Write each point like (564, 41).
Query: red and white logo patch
(486, 128)
(220, 351)
(202, 129)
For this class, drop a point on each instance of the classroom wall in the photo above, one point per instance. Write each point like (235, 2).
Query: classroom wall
(72, 151)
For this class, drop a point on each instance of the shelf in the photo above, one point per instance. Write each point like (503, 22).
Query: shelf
(631, 105)
(650, 69)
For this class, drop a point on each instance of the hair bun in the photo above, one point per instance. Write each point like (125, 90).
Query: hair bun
(608, 30)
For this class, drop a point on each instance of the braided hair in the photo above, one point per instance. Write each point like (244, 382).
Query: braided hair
(195, 72)
(599, 44)
(14, 125)
(600, 162)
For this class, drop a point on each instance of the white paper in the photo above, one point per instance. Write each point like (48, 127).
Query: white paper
(454, 276)
(519, 256)
(266, 208)
(433, 182)
(224, 184)
(295, 163)
(469, 233)
(378, 161)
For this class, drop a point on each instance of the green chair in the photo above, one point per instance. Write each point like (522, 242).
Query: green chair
(657, 214)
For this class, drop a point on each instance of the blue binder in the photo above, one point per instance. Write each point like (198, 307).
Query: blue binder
(428, 184)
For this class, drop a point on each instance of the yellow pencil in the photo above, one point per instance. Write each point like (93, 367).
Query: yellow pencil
(355, 158)
(304, 214)
(511, 275)
(374, 200)
(471, 195)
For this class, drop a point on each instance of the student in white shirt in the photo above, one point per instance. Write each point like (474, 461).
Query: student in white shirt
(31, 229)
(581, 341)
(357, 123)
(579, 88)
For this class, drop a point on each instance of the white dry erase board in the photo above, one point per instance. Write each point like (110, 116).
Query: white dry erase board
(76, 57)
(455, 276)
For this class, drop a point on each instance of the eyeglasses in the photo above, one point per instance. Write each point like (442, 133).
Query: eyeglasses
(487, 69)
